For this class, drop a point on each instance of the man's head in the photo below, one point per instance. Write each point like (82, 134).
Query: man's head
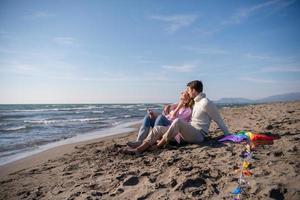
(194, 88)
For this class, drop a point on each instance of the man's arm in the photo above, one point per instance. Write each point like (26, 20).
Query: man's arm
(212, 110)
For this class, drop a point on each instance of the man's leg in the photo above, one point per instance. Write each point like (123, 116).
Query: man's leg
(188, 132)
(156, 134)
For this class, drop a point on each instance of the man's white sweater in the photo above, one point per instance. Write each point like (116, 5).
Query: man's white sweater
(203, 112)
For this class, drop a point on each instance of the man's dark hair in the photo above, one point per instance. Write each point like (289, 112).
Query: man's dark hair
(197, 85)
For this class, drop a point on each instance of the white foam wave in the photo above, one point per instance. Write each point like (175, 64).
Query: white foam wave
(16, 128)
(56, 109)
(142, 109)
(61, 120)
(98, 111)
(112, 117)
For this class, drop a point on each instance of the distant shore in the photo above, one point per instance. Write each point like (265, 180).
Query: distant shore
(95, 169)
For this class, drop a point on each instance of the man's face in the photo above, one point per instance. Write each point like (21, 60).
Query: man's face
(191, 92)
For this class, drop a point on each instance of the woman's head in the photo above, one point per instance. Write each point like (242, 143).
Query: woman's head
(185, 97)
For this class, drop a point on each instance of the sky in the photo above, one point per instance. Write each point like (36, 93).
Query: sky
(115, 51)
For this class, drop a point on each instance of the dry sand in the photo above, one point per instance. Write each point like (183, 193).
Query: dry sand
(96, 169)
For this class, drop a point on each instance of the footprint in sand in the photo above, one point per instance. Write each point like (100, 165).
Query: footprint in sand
(191, 183)
(67, 174)
(56, 190)
(68, 185)
(74, 195)
(277, 192)
(133, 180)
(85, 177)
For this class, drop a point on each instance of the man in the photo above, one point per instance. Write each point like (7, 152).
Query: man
(193, 132)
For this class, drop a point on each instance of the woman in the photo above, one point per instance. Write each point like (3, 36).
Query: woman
(182, 110)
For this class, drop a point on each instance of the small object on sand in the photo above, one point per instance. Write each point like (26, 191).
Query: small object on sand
(246, 164)
(237, 190)
(269, 127)
(255, 138)
(234, 138)
(248, 148)
(247, 172)
(245, 154)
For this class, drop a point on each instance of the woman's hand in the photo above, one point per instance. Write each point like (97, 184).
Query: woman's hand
(167, 109)
(173, 113)
(151, 114)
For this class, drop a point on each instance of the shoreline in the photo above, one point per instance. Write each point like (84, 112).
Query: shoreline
(119, 129)
(59, 148)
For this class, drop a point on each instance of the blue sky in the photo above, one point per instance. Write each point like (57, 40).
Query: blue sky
(146, 51)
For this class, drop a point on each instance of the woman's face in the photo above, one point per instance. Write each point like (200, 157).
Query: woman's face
(184, 96)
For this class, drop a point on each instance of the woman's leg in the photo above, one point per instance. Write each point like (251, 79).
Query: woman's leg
(161, 120)
(145, 128)
(156, 133)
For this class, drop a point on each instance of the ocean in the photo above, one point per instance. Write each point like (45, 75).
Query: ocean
(27, 129)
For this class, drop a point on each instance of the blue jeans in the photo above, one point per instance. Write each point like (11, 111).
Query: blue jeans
(148, 123)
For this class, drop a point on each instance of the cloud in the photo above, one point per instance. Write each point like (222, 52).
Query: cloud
(244, 13)
(38, 15)
(207, 50)
(280, 69)
(179, 68)
(6, 34)
(122, 78)
(68, 41)
(60, 70)
(175, 22)
(208, 32)
(259, 57)
(49, 68)
(257, 80)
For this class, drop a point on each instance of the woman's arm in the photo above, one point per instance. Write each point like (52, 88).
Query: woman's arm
(185, 114)
(174, 112)
(168, 108)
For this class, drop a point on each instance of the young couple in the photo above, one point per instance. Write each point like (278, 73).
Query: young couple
(182, 120)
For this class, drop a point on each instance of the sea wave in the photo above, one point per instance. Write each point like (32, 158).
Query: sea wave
(142, 109)
(16, 128)
(98, 111)
(113, 118)
(56, 109)
(50, 121)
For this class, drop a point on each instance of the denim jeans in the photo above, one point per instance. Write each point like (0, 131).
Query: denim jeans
(148, 123)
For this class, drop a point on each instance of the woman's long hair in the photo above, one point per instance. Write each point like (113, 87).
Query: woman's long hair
(190, 104)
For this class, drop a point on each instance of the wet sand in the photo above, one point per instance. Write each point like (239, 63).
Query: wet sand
(96, 170)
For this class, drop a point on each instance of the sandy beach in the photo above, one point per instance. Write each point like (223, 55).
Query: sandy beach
(96, 170)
